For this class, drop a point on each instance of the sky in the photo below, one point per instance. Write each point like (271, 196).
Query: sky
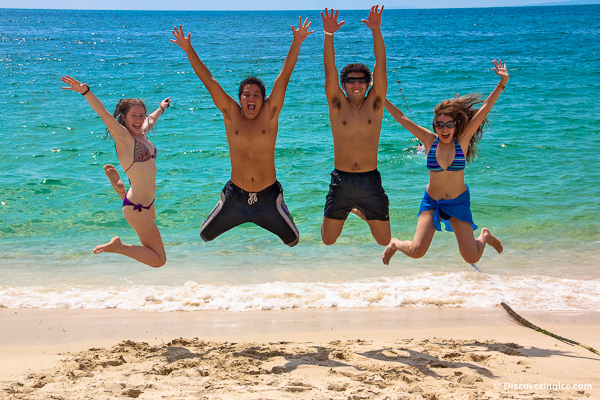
(260, 4)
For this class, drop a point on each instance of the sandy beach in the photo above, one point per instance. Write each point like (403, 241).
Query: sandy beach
(298, 354)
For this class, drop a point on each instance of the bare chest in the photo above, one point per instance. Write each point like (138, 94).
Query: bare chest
(251, 141)
(349, 121)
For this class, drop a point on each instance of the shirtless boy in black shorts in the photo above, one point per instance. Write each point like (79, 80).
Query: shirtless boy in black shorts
(355, 118)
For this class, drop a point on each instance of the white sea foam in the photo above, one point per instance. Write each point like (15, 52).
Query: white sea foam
(457, 290)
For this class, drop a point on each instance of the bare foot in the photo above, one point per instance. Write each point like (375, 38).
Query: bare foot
(115, 180)
(359, 214)
(110, 247)
(389, 251)
(492, 240)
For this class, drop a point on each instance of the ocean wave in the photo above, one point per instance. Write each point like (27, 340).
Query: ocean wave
(446, 290)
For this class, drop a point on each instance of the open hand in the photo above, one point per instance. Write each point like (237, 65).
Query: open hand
(500, 70)
(302, 32)
(180, 39)
(74, 84)
(374, 21)
(330, 23)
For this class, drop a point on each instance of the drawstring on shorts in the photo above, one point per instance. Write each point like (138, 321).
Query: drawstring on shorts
(252, 198)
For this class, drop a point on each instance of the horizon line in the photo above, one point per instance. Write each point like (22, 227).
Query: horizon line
(550, 4)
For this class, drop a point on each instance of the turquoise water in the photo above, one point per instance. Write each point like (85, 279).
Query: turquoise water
(534, 183)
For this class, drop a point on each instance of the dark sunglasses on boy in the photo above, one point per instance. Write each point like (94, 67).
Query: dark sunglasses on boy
(350, 80)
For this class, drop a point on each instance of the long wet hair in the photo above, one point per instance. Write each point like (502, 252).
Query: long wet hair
(462, 109)
(123, 107)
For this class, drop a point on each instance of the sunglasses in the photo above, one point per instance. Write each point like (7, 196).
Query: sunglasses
(350, 80)
(440, 124)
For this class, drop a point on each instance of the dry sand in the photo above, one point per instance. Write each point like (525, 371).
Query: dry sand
(299, 354)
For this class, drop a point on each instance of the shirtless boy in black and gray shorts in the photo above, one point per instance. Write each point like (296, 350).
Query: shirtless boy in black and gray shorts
(253, 194)
(355, 113)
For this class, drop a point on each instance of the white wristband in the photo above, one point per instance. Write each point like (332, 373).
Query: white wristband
(328, 33)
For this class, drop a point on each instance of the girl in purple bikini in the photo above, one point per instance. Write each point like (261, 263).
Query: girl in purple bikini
(457, 127)
(129, 126)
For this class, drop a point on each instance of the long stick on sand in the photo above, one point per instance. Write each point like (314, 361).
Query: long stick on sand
(528, 324)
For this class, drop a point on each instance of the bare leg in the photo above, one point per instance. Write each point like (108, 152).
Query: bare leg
(152, 250)
(471, 249)
(417, 247)
(381, 231)
(331, 229)
(115, 180)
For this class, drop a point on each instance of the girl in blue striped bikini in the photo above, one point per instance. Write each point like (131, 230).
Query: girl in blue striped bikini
(458, 126)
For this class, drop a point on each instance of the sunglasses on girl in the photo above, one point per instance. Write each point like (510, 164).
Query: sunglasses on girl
(440, 124)
(349, 80)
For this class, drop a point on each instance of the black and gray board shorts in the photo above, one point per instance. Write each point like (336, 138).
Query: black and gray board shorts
(265, 209)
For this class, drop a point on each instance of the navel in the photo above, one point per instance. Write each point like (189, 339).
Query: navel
(236, 132)
(263, 132)
(369, 122)
(345, 123)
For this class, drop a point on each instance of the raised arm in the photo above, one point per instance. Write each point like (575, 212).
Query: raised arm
(153, 118)
(117, 130)
(380, 68)
(424, 135)
(277, 95)
(221, 99)
(330, 26)
(471, 128)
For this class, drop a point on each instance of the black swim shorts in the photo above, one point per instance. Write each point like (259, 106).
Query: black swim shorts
(361, 190)
(265, 209)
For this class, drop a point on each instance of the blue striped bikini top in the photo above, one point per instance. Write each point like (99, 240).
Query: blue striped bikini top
(458, 164)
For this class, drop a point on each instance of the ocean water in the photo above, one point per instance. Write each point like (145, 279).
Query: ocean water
(534, 183)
